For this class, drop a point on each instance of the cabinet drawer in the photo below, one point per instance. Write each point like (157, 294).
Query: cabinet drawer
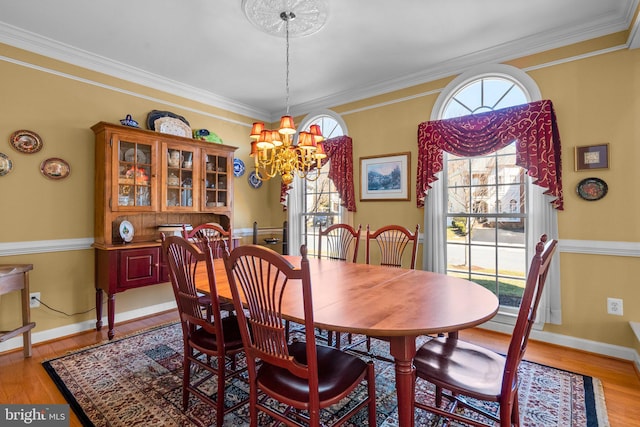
(138, 267)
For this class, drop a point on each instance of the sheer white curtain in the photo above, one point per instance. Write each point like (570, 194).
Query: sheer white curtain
(542, 219)
(295, 211)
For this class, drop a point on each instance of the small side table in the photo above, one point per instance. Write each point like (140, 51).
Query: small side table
(14, 277)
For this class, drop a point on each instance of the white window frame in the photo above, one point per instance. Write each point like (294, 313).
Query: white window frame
(296, 195)
(542, 216)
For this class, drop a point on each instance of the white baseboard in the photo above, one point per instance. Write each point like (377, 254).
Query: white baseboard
(63, 331)
(611, 350)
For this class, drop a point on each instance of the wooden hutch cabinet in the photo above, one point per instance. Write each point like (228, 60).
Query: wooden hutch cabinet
(151, 179)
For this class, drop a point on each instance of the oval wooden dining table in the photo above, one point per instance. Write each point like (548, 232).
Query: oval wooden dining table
(393, 303)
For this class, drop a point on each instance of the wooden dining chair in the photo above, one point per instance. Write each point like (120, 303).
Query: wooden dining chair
(306, 377)
(460, 368)
(211, 232)
(392, 241)
(341, 243)
(215, 236)
(210, 344)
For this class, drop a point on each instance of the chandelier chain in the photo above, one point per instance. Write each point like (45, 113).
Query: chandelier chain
(287, 17)
(275, 152)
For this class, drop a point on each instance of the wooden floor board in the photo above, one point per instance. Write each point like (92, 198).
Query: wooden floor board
(25, 380)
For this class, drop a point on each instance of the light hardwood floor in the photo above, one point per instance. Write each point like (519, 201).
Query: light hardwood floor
(25, 380)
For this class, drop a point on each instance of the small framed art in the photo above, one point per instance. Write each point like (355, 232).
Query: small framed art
(385, 177)
(588, 157)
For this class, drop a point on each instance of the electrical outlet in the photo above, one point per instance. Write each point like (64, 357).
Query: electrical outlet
(34, 299)
(614, 306)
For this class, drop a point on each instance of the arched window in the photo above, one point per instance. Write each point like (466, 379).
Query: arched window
(315, 204)
(483, 211)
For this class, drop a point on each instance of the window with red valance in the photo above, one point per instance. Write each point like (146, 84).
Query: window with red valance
(532, 126)
(340, 152)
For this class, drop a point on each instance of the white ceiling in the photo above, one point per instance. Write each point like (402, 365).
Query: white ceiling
(207, 49)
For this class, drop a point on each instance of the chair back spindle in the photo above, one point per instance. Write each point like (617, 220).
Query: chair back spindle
(536, 279)
(341, 242)
(392, 241)
(209, 232)
(263, 276)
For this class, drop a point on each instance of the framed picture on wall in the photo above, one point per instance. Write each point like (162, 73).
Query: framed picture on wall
(385, 177)
(590, 157)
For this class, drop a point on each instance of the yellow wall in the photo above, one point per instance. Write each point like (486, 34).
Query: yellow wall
(61, 109)
(596, 101)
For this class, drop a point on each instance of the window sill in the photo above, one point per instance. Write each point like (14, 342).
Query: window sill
(505, 321)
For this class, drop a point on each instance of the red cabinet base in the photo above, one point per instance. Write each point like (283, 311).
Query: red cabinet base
(119, 269)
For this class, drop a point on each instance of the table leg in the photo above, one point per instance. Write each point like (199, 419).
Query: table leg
(403, 349)
(26, 316)
(98, 309)
(111, 311)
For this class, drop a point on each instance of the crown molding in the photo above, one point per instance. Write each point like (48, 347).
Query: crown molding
(32, 42)
(498, 54)
(634, 34)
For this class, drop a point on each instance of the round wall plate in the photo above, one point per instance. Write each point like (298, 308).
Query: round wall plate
(592, 189)
(254, 181)
(55, 168)
(238, 167)
(5, 164)
(26, 141)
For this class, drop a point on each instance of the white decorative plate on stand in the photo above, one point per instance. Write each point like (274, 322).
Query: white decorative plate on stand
(173, 126)
(126, 231)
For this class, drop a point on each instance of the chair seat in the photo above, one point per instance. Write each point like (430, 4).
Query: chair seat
(453, 363)
(336, 371)
(232, 337)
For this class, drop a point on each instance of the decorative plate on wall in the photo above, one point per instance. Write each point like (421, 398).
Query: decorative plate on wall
(254, 181)
(238, 167)
(5, 164)
(55, 168)
(592, 189)
(26, 141)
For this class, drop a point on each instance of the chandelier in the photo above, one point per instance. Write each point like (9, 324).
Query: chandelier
(281, 152)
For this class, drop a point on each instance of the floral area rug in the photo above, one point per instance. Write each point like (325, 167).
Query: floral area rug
(137, 380)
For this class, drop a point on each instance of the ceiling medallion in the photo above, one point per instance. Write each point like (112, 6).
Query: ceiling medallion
(308, 16)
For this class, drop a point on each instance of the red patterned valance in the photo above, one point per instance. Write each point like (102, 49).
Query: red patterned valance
(533, 126)
(340, 151)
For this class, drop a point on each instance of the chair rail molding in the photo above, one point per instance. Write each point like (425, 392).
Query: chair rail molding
(590, 247)
(45, 246)
(600, 247)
